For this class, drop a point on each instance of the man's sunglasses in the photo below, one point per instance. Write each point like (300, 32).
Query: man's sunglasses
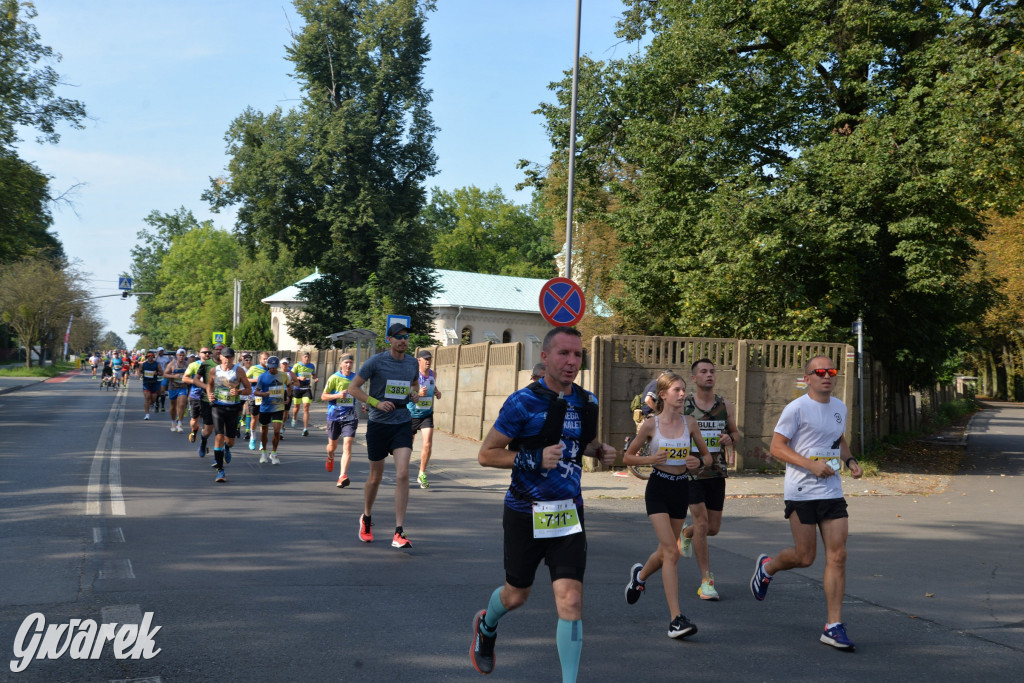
(824, 372)
(204, 352)
(399, 336)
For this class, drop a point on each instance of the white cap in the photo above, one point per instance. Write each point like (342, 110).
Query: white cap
(180, 351)
(159, 348)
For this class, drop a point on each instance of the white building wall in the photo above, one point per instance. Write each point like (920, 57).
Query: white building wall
(480, 321)
(279, 328)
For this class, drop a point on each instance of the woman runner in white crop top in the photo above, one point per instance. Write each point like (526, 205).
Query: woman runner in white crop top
(667, 494)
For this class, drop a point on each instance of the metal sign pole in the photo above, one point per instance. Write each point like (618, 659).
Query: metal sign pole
(572, 145)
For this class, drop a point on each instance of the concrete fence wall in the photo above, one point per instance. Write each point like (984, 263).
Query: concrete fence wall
(759, 377)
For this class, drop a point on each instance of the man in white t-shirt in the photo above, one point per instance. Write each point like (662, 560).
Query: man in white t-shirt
(810, 439)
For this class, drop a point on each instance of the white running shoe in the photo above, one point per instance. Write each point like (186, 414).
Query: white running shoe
(274, 460)
(263, 459)
(147, 417)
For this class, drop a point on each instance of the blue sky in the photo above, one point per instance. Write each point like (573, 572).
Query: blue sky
(163, 80)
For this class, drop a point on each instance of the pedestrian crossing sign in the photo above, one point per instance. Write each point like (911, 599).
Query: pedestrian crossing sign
(124, 283)
(219, 337)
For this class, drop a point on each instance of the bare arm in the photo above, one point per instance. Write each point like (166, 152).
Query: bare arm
(706, 459)
(781, 450)
(643, 435)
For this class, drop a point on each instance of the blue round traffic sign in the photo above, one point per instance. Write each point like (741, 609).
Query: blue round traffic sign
(562, 302)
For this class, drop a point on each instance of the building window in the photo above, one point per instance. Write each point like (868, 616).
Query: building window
(506, 337)
(275, 328)
(467, 335)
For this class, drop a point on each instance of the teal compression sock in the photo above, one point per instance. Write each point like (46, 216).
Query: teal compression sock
(569, 637)
(495, 611)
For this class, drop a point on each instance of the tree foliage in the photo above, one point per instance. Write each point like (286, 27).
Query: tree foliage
(784, 167)
(190, 266)
(28, 82)
(480, 231)
(27, 101)
(111, 340)
(37, 300)
(997, 355)
(338, 180)
(25, 218)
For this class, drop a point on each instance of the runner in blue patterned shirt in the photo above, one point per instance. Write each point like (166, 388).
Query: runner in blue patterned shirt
(543, 516)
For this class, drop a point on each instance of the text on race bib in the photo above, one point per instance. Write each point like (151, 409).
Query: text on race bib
(347, 401)
(396, 389)
(677, 449)
(831, 455)
(552, 519)
(425, 402)
(149, 374)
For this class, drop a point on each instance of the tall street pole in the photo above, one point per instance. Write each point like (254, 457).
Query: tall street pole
(572, 144)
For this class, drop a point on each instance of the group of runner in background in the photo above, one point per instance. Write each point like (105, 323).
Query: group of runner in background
(222, 396)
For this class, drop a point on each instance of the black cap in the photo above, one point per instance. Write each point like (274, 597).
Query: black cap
(227, 352)
(423, 353)
(397, 328)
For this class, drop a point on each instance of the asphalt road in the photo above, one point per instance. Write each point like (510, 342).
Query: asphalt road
(264, 578)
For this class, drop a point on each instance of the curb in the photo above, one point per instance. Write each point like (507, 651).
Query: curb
(7, 390)
(967, 430)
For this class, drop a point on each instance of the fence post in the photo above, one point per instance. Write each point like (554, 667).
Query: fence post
(455, 389)
(483, 392)
(741, 395)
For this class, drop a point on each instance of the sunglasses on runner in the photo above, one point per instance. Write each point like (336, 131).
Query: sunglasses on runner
(824, 372)
(399, 336)
(204, 351)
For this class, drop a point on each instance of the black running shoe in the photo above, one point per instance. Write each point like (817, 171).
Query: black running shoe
(681, 627)
(482, 651)
(635, 587)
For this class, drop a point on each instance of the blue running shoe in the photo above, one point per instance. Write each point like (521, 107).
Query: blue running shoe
(252, 444)
(202, 450)
(220, 477)
(760, 580)
(837, 638)
(227, 454)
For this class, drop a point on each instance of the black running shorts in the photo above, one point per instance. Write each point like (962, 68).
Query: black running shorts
(267, 418)
(199, 408)
(667, 494)
(711, 492)
(815, 511)
(565, 556)
(225, 419)
(383, 438)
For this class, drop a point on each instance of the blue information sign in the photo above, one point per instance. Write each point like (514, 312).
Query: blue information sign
(124, 283)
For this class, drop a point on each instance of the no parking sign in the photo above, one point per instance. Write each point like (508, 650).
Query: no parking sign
(562, 302)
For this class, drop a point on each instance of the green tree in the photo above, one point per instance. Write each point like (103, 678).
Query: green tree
(481, 231)
(339, 179)
(25, 218)
(27, 101)
(197, 276)
(37, 300)
(148, 254)
(111, 340)
(783, 167)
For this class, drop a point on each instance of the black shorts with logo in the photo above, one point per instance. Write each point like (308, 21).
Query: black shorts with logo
(565, 556)
(667, 494)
